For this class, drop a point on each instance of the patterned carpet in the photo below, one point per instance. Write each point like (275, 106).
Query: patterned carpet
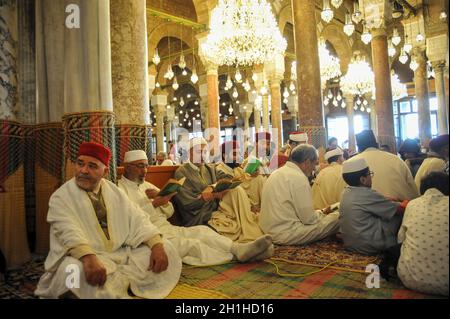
(304, 269)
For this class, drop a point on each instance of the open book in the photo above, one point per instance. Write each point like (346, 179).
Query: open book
(171, 186)
(253, 165)
(225, 184)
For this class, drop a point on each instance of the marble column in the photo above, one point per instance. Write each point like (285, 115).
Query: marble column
(383, 101)
(130, 78)
(349, 100)
(310, 109)
(293, 109)
(212, 80)
(159, 103)
(439, 68)
(423, 102)
(265, 113)
(275, 94)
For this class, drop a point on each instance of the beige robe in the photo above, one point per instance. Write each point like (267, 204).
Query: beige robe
(430, 164)
(328, 186)
(73, 223)
(392, 177)
(253, 186)
(196, 245)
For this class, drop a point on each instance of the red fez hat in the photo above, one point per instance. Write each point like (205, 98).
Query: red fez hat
(278, 161)
(263, 136)
(229, 146)
(96, 150)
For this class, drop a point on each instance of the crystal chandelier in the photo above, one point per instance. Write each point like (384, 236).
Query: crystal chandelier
(359, 78)
(169, 74)
(327, 14)
(194, 76)
(156, 59)
(182, 63)
(329, 65)
(357, 15)
(242, 33)
(398, 89)
(336, 3)
(366, 36)
(413, 65)
(175, 84)
(403, 58)
(396, 39)
(349, 27)
(238, 76)
(391, 49)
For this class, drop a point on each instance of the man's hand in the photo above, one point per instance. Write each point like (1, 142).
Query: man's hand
(151, 193)
(158, 259)
(207, 195)
(255, 174)
(94, 271)
(327, 210)
(162, 200)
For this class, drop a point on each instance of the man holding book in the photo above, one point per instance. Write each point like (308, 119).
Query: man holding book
(230, 167)
(228, 212)
(199, 245)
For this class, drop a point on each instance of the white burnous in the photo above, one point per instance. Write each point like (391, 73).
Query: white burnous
(242, 33)
(359, 78)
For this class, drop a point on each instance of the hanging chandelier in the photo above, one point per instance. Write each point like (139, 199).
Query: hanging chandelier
(349, 27)
(336, 3)
(359, 79)
(243, 33)
(398, 89)
(329, 65)
(156, 59)
(327, 14)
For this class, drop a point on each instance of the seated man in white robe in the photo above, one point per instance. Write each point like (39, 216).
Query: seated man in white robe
(162, 160)
(287, 211)
(102, 245)
(436, 158)
(423, 263)
(231, 168)
(228, 212)
(369, 222)
(197, 245)
(329, 184)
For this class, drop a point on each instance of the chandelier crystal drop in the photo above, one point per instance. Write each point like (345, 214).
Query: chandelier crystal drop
(285, 93)
(229, 83)
(182, 103)
(243, 33)
(357, 15)
(396, 39)
(391, 49)
(247, 87)
(403, 58)
(156, 59)
(169, 74)
(182, 63)
(336, 3)
(349, 27)
(359, 78)
(194, 76)
(366, 36)
(254, 77)
(413, 65)
(235, 93)
(238, 76)
(175, 84)
(292, 86)
(327, 14)
(329, 65)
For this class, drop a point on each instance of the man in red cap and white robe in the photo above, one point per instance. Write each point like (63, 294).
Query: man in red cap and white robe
(102, 245)
(230, 167)
(262, 152)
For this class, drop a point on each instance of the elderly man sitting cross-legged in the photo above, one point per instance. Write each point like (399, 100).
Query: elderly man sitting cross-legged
(197, 245)
(102, 245)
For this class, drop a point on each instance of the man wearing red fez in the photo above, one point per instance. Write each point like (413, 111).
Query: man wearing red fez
(231, 168)
(108, 244)
(262, 152)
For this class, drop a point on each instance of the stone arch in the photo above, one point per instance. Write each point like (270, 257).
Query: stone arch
(340, 42)
(284, 17)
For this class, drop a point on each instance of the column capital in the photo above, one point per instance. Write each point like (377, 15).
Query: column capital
(378, 13)
(437, 47)
(438, 66)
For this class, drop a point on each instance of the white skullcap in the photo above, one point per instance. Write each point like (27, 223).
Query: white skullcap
(336, 152)
(132, 156)
(298, 137)
(354, 165)
(197, 141)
